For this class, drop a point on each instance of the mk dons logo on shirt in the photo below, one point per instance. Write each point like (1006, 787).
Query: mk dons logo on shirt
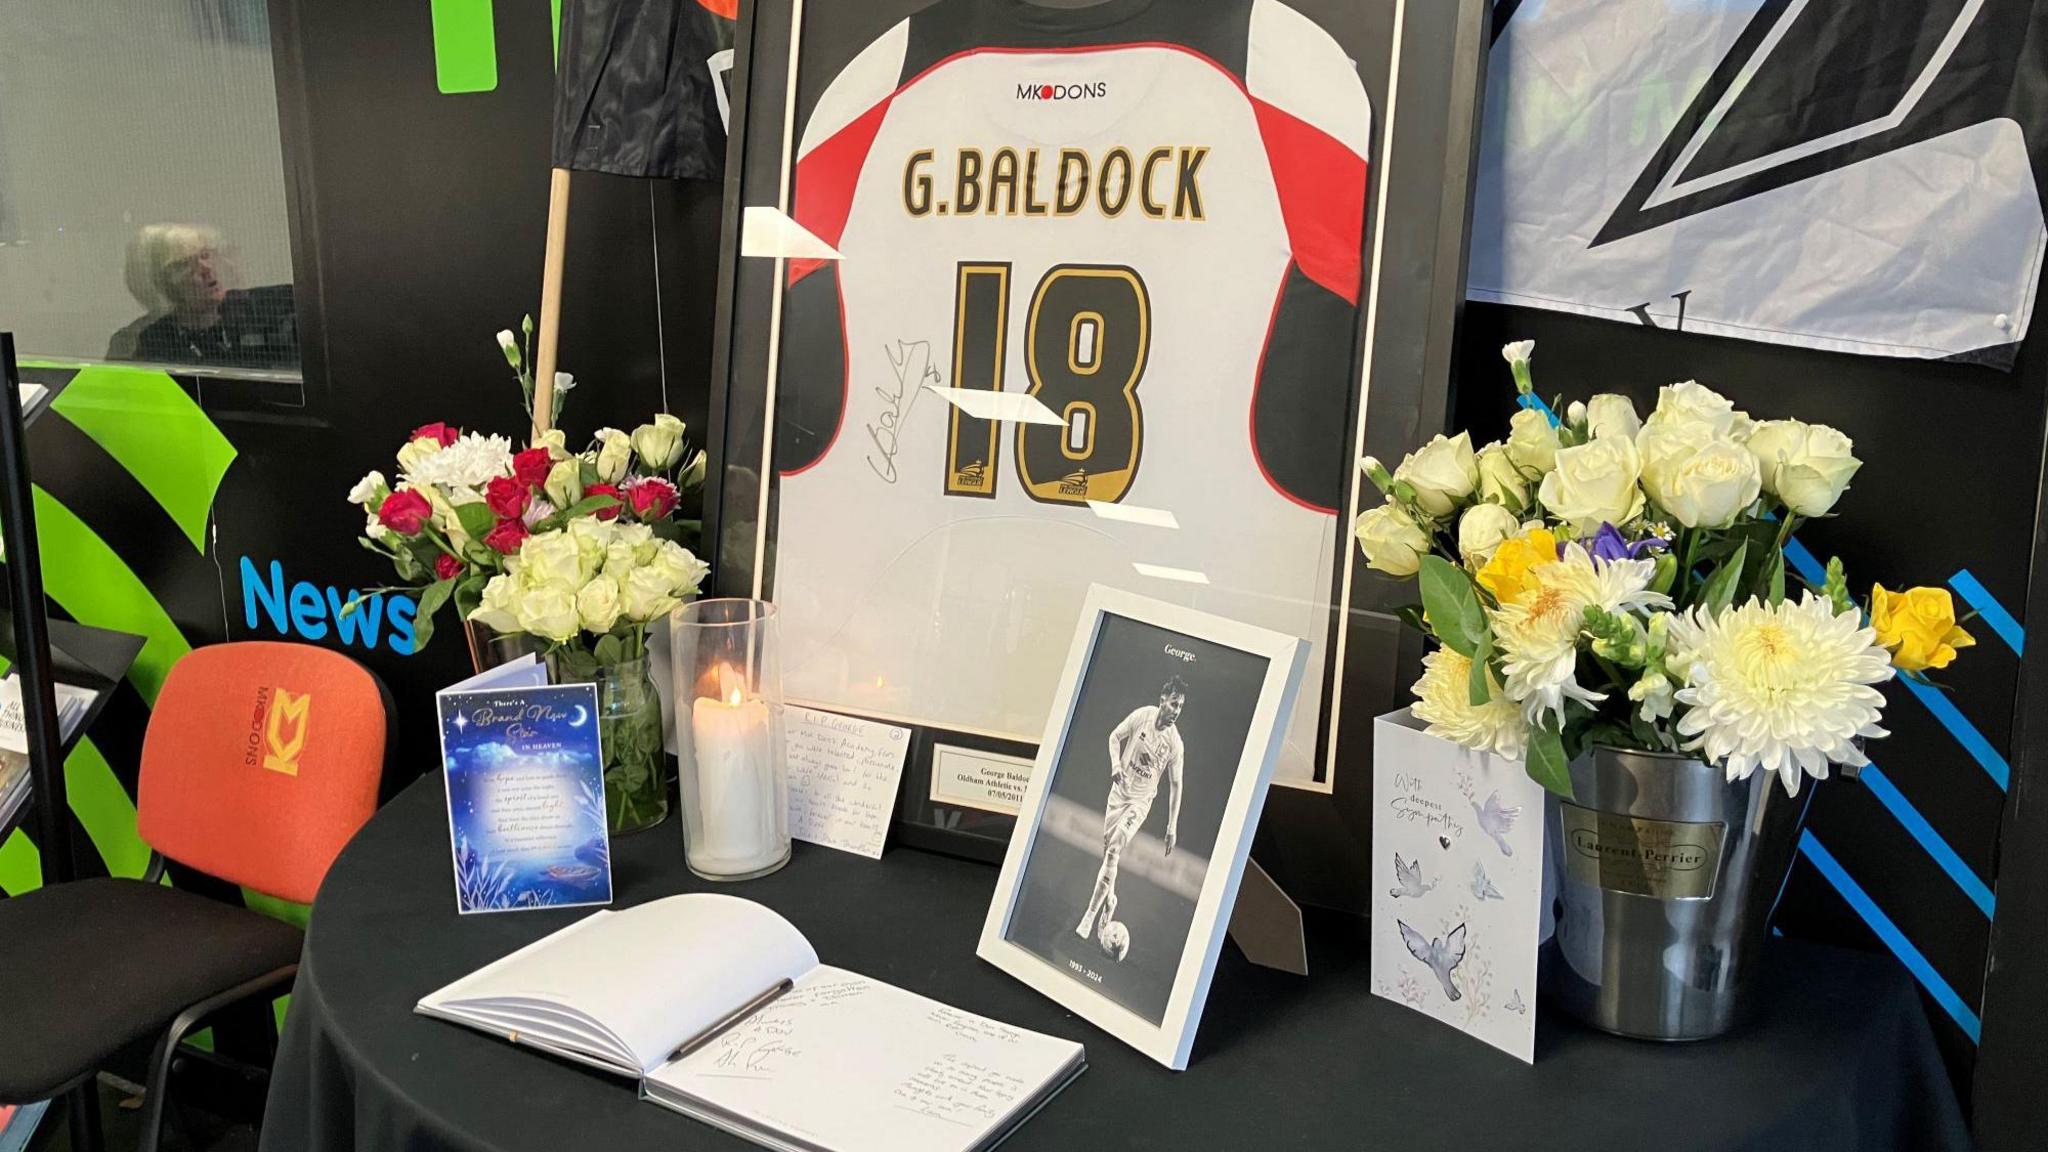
(1094, 90)
(277, 730)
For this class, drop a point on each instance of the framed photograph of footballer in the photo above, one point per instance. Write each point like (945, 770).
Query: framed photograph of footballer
(1026, 296)
(1117, 889)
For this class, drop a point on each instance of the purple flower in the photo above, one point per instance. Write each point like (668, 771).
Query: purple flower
(1608, 545)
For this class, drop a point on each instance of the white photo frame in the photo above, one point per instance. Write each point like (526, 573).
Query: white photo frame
(1262, 670)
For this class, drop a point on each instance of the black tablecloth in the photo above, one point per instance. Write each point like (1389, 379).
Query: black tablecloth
(1841, 1059)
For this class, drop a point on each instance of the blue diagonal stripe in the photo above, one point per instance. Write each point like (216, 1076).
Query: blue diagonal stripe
(1534, 401)
(1911, 957)
(1959, 727)
(1909, 817)
(1934, 699)
(1989, 610)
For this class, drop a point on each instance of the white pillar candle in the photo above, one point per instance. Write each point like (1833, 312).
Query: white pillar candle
(734, 751)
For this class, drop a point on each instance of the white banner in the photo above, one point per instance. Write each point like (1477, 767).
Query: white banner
(1836, 176)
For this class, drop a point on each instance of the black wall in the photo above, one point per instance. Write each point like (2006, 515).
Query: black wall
(422, 219)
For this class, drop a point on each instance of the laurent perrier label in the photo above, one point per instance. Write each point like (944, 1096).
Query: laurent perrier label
(1666, 859)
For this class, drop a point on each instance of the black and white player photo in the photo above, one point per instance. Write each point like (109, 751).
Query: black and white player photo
(1158, 729)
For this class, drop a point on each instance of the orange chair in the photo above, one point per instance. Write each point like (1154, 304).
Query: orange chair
(261, 761)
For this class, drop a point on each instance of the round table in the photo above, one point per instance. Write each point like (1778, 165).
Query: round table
(1841, 1057)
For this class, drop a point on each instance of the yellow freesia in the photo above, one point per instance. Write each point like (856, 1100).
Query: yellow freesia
(1506, 575)
(1918, 626)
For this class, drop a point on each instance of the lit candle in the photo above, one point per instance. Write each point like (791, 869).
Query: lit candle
(734, 751)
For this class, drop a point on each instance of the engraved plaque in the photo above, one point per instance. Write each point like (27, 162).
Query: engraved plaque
(1666, 859)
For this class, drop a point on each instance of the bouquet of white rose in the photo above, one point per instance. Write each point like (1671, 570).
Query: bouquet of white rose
(1608, 579)
(590, 590)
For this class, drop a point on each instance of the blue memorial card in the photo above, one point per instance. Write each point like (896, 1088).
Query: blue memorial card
(526, 816)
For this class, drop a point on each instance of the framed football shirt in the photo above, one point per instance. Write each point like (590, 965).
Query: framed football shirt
(1091, 299)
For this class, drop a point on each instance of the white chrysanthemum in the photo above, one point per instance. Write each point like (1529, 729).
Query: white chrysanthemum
(1443, 699)
(471, 462)
(1784, 688)
(1538, 634)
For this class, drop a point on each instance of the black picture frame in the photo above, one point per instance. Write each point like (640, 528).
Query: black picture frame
(1427, 92)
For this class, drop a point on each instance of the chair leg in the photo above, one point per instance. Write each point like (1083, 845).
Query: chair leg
(167, 1049)
(159, 1090)
(83, 1102)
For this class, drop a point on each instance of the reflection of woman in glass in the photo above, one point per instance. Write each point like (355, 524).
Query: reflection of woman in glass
(179, 274)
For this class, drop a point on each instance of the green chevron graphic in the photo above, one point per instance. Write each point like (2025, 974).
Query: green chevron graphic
(164, 440)
(149, 426)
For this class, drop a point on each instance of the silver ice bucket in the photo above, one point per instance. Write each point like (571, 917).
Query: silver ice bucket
(1664, 874)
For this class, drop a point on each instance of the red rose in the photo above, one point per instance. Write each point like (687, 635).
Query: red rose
(610, 490)
(507, 496)
(531, 466)
(506, 537)
(440, 433)
(405, 512)
(446, 567)
(652, 498)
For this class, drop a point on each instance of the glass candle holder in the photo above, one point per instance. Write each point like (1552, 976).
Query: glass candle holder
(735, 789)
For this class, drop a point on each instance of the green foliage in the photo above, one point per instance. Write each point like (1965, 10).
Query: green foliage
(1452, 603)
(1547, 763)
(1771, 585)
(431, 598)
(477, 519)
(1616, 639)
(1836, 587)
(1720, 590)
(583, 507)
(1477, 686)
(469, 592)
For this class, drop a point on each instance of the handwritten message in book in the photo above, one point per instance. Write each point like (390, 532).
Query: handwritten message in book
(751, 1034)
(525, 784)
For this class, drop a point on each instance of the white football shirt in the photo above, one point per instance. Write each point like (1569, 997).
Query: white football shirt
(1146, 752)
(1147, 217)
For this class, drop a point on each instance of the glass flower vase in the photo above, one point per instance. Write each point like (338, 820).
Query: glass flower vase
(629, 724)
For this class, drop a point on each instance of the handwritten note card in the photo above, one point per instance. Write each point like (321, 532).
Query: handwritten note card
(843, 774)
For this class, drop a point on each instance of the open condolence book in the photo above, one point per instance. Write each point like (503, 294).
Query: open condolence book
(720, 1009)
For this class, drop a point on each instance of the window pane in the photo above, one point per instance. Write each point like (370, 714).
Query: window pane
(142, 198)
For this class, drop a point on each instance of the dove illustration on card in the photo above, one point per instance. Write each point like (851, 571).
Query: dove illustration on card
(1457, 858)
(1482, 885)
(1441, 956)
(1497, 820)
(1408, 879)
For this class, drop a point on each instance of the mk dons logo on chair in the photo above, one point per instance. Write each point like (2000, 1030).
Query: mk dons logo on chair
(277, 730)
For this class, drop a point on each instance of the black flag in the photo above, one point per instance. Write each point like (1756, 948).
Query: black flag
(638, 86)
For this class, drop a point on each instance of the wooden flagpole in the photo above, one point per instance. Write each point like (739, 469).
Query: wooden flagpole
(550, 302)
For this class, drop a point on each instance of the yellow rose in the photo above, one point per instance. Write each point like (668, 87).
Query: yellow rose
(1507, 574)
(1919, 626)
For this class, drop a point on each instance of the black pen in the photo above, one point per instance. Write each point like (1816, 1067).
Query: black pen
(736, 1016)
